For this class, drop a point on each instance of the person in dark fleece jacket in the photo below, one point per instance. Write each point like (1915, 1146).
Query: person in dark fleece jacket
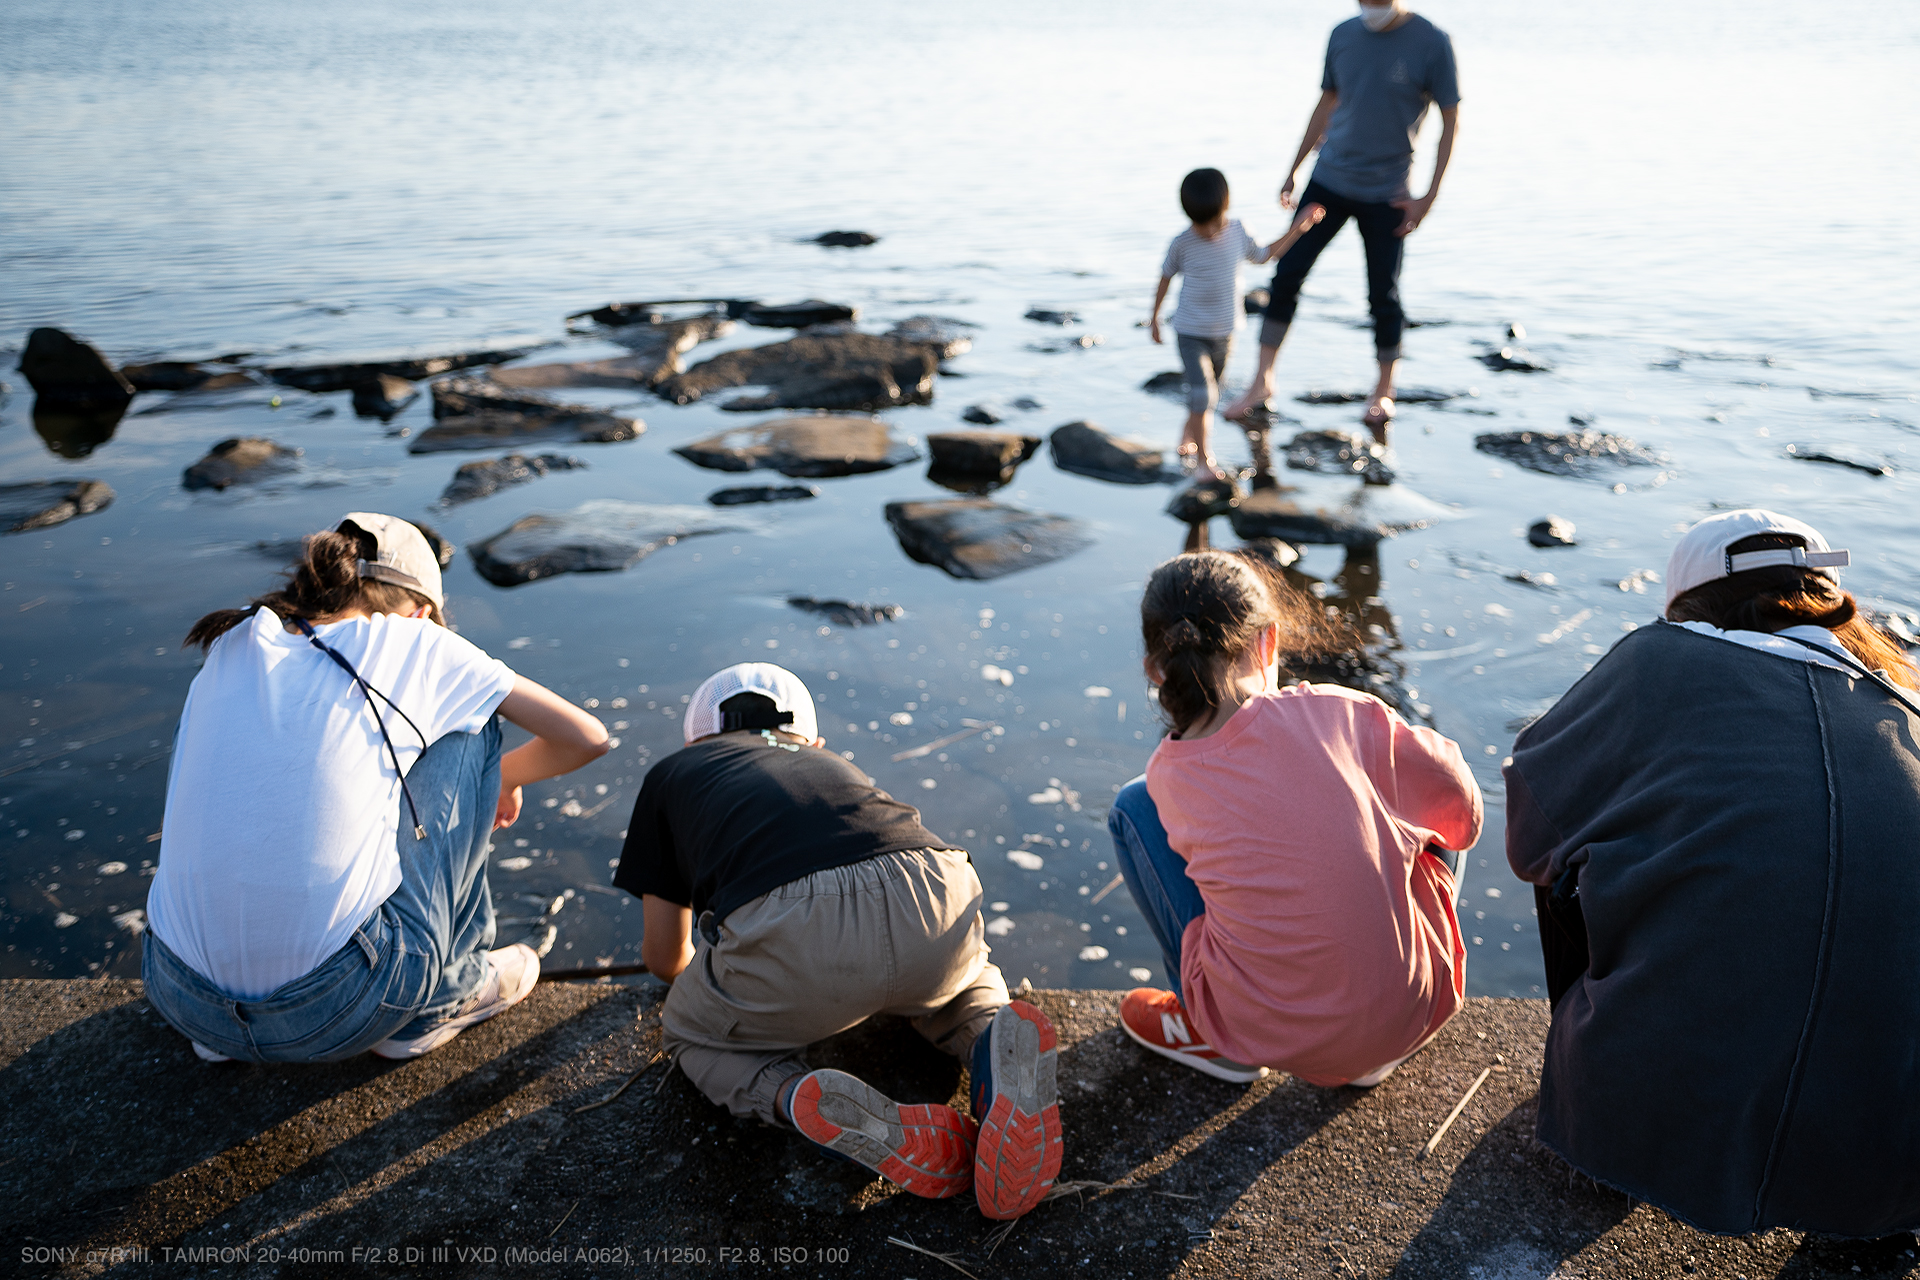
(1720, 824)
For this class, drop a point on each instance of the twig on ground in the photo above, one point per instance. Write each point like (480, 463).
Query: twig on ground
(623, 1088)
(914, 753)
(1111, 886)
(1075, 1188)
(937, 1257)
(998, 1236)
(563, 1221)
(1454, 1114)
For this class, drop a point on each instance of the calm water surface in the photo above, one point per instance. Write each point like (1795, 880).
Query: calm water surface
(1702, 215)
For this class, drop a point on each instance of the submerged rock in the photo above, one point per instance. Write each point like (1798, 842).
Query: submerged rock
(241, 460)
(1358, 517)
(1557, 453)
(1084, 449)
(488, 476)
(1040, 315)
(1027, 404)
(744, 495)
(1084, 342)
(1204, 499)
(1855, 462)
(1551, 532)
(847, 371)
(950, 337)
(475, 413)
(1172, 384)
(846, 613)
(345, 377)
(982, 414)
(39, 504)
(75, 433)
(797, 315)
(1332, 397)
(181, 375)
(979, 539)
(1513, 360)
(383, 396)
(70, 375)
(1337, 453)
(595, 537)
(846, 239)
(617, 314)
(657, 349)
(817, 445)
(980, 453)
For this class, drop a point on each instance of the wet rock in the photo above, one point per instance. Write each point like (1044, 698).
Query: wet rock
(70, 375)
(1553, 453)
(1085, 342)
(948, 337)
(1084, 449)
(181, 375)
(846, 613)
(979, 539)
(1332, 397)
(345, 377)
(1854, 462)
(1337, 453)
(1040, 315)
(1427, 395)
(475, 413)
(1351, 517)
(1172, 384)
(797, 315)
(488, 476)
(1027, 404)
(383, 395)
(744, 495)
(980, 453)
(618, 314)
(596, 537)
(657, 349)
(1513, 360)
(1203, 500)
(982, 414)
(817, 445)
(1551, 532)
(1256, 301)
(241, 460)
(847, 371)
(1581, 419)
(39, 504)
(846, 239)
(75, 433)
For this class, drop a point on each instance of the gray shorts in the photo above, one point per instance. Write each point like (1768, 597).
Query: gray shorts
(1204, 360)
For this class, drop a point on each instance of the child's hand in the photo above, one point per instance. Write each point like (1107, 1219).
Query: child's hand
(1309, 216)
(1153, 329)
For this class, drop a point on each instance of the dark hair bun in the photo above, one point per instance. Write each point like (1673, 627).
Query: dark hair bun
(1183, 635)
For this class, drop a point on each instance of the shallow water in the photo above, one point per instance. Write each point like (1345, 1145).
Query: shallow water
(336, 179)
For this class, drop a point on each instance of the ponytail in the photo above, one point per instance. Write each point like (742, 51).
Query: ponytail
(325, 582)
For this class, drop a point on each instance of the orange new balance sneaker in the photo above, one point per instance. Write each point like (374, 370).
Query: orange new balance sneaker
(1157, 1020)
(926, 1148)
(1017, 1102)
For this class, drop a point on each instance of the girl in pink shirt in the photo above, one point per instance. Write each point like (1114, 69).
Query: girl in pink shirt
(1290, 845)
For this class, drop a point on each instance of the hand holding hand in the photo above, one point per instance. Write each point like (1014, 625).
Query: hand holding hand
(1415, 211)
(1309, 216)
(507, 812)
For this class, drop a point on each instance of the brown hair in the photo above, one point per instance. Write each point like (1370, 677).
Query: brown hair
(324, 583)
(1204, 610)
(1781, 596)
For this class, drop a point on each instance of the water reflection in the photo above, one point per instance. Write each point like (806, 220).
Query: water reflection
(73, 430)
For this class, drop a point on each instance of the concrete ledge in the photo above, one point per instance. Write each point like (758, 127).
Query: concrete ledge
(117, 1137)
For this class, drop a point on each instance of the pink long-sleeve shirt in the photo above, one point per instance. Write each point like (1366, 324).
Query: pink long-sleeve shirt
(1330, 946)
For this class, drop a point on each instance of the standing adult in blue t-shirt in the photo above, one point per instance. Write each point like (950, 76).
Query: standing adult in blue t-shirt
(1383, 69)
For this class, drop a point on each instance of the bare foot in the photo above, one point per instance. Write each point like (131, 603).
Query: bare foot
(1239, 408)
(1379, 413)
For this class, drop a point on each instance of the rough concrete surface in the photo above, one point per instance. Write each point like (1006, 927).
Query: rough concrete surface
(117, 1137)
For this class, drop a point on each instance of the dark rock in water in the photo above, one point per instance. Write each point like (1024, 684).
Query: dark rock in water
(1815, 453)
(1426, 395)
(1332, 397)
(1281, 555)
(848, 371)
(1256, 301)
(37, 504)
(345, 377)
(819, 445)
(442, 549)
(980, 453)
(977, 483)
(1084, 342)
(1040, 315)
(1361, 518)
(180, 375)
(845, 613)
(1551, 532)
(596, 537)
(1028, 404)
(478, 479)
(75, 433)
(616, 314)
(383, 395)
(982, 414)
(1581, 419)
(327, 411)
(475, 413)
(847, 239)
(1513, 360)
(1172, 384)
(241, 460)
(746, 494)
(1203, 500)
(797, 315)
(1085, 449)
(949, 337)
(979, 539)
(71, 375)
(1517, 332)
(1336, 453)
(1563, 454)
(657, 349)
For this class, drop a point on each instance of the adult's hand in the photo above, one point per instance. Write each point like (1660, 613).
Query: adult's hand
(507, 812)
(1153, 330)
(1415, 212)
(1286, 193)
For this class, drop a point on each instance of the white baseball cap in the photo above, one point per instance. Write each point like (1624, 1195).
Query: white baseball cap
(777, 684)
(1701, 555)
(401, 554)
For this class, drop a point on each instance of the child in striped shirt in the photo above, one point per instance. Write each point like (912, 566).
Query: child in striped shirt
(1208, 255)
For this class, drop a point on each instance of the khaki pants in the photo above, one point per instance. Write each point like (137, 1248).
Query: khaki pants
(900, 933)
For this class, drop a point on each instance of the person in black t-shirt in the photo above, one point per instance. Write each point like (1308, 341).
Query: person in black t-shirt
(820, 901)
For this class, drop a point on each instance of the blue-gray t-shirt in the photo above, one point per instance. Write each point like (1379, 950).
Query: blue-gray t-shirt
(1385, 80)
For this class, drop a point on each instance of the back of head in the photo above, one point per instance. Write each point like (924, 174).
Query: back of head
(750, 695)
(1203, 194)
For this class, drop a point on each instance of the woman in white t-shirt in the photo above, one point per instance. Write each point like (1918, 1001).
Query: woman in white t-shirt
(322, 886)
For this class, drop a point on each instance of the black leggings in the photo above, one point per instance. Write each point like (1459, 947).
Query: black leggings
(1377, 222)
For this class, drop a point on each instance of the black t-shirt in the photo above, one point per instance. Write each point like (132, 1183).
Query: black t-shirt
(721, 822)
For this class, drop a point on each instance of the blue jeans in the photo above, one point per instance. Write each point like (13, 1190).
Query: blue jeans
(1377, 221)
(413, 963)
(1156, 875)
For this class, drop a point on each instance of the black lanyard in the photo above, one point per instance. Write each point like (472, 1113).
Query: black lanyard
(419, 831)
(1858, 667)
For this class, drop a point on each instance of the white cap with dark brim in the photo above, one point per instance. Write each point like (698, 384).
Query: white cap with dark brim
(401, 556)
(1701, 555)
(785, 690)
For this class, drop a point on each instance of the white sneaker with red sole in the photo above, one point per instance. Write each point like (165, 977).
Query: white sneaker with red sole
(1158, 1021)
(511, 973)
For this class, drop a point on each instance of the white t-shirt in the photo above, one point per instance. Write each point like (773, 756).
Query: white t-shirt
(1210, 294)
(283, 807)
